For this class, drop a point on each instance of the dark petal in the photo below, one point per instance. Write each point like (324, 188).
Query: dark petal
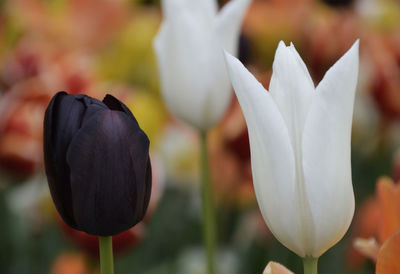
(62, 119)
(108, 159)
(115, 104)
(142, 207)
(139, 150)
(88, 101)
(92, 107)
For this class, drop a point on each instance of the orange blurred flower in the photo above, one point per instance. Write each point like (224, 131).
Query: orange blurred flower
(389, 202)
(388, 258)
(378, 219)
(71, 263)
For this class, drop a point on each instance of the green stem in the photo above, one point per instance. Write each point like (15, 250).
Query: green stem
(209, 225)
(310, 265)
(106, 255)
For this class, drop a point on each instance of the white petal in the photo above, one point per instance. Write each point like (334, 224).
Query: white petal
(185, 49)
(203, 10)
(292, 89)
(272, 158)
(326, 152)
(226, 30)
(160, 48)
(194, 80)
(228, 23)
(209, 6)
(176, 91)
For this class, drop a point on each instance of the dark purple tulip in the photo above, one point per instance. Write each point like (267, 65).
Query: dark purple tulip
(97, 163)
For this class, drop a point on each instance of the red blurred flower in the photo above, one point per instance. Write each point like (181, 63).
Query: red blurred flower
(385, 77)
(89, 243)
(21, 126)
(230, 159)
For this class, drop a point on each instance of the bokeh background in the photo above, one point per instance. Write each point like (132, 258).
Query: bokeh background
(105, 46)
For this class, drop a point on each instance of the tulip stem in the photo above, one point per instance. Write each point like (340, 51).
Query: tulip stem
(106, 255)
(310, 265)
(209, 225)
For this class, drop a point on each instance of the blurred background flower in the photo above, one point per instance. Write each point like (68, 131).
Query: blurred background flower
(105, 46)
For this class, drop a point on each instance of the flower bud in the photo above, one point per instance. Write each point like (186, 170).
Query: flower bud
(97, 163)
(193, 77)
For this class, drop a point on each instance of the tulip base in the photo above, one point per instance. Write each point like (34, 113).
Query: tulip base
(106, 255)
(208, 207)
(310, 265)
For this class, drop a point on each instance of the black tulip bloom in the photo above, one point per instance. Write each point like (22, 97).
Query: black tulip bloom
(97, 163)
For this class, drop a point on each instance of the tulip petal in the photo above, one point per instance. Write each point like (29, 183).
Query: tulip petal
(114, 104)
(272, 156)
(388, 194)
(184, 68)
(106, 143)
(292, 89)
(276, 268)
(388, 258)
(326, 152)
(205, 9)
(63, 115)
(367, 247)
(228, 23)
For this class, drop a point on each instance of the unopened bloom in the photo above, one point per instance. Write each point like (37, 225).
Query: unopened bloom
(97, 163)
(300, 148)
(194, 81)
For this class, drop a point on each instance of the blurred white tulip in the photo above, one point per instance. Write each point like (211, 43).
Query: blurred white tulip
(189, 48)
(300, 148)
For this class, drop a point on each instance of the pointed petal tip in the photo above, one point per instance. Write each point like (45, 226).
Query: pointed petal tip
(293, 49)
(226, 53)
(351, 56)
(282, 49)
(229, 58)
(112, 103)
(239, 75)
(355, 46)
(235, 67)
(281, 44)
(354, 49)
(232, 63)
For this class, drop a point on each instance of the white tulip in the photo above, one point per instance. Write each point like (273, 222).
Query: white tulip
(194, 81)
(300, 148)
